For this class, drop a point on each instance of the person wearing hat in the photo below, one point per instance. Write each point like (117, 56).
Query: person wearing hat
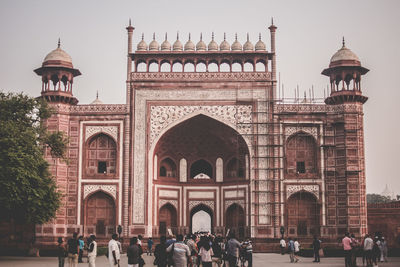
(92, 251)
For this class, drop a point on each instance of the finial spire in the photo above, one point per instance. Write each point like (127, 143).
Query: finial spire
(201, 36)
(189, 36)
(259, 36)
(272, 20)
(130, 24)
(177, 35)
(343, 42)
(247, 36)
(97, 94)
(154, 35)
(212, 36)
(142, 36)
(59, 43)
(166, 36)
(235, 36)
(224, 36)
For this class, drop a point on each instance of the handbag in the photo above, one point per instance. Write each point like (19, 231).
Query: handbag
(321, 252)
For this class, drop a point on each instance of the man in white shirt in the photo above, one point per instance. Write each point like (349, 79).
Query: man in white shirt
(368, 245)
(114, 254)
(282, 244)
(92, 251)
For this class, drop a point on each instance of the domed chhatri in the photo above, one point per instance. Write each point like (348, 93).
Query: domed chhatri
(248, 46)
(236, 46)
(142, 45)
(201, 46)
(166, 46)
(189, 46)
(224, 46)
(212, 46)
(153, 46)
(344, 57)
(177, 45)
(260, 46)
(57, 58)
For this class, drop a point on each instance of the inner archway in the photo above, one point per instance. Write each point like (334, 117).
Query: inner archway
(235, 220)
(100, 214)
(303, 214)
(167, 219)
(201, 219)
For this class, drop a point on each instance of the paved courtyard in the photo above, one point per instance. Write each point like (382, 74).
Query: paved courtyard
(259, 260)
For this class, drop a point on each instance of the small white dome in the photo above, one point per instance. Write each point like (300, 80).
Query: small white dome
(248, 46)
(344, 54)
(177, 46)
(58, 57)
(212, 46)
(260, 46)
(97, 101)
(165, 46)
(142, 46)
(153, 46)
(224, 46)
(189, 46)
(201, 46)
(236, 46)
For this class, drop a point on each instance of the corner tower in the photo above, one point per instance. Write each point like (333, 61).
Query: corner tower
(58, 75)
(347, 153)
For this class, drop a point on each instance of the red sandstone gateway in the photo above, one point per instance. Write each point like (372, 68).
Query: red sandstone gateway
(205, 143)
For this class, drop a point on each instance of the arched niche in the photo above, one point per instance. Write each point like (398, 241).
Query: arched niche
(101, 156)
(303, 214)
(301, 155)
(236, 169)
(183, 170)
(201, 140)
(235, 219)
(167, 168)
(167, 219)
(99, 214)
(200, 167)
(219, 170)
(201, 219)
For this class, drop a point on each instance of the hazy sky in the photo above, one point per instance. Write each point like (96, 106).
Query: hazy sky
(308, 34)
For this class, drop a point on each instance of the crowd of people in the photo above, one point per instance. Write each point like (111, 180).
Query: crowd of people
(209, 250)
(372, 250)
(192, 250)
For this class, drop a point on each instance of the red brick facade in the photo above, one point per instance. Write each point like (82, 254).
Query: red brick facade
(212, 140)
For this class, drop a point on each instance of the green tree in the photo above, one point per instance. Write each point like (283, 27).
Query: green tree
(376, 198)
(28, 193)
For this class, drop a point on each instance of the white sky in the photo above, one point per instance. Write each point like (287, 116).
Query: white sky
(308, 34)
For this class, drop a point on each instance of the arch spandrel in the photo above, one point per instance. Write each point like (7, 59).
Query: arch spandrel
(293, 189)
(293, 130)
(163, 118)
(108, 189)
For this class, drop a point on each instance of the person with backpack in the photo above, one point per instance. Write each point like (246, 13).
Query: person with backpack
(291, 249)
(180, 252)
(232, 250)
(217, 250)
(160, 253)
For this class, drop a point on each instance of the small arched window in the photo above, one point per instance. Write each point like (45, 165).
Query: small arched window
(167, 168)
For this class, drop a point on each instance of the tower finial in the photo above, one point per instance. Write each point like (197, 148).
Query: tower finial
(97, 94)
(154, 35)
(142, 36)
(130, 24)
(201, 36)
(212, 38)
(247, 36)
(272, 20)
(235, 36)
(166, 36)
(343, 42)
(189, 36)
(224, 36)
(259, 36)
(177, 35)
(59, 43)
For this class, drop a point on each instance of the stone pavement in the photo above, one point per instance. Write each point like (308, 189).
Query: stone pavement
(259, 260)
